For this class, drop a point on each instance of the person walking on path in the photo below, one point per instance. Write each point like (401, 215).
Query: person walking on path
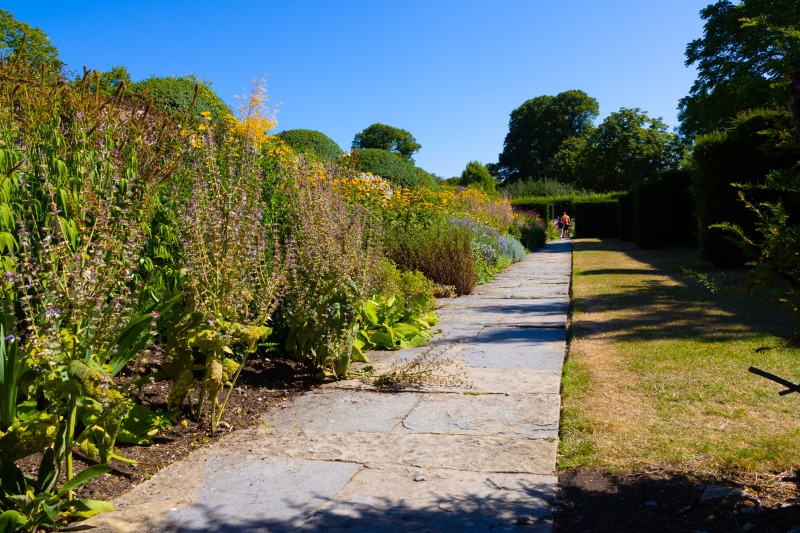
(565, 221)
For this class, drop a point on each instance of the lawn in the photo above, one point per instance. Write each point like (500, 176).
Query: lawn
(657, 372)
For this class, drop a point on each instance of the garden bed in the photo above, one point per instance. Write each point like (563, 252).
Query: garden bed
(261, 385)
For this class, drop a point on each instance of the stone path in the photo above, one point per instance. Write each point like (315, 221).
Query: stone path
(478, 457)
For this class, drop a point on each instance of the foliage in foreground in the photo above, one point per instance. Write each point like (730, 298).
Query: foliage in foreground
(79, 174)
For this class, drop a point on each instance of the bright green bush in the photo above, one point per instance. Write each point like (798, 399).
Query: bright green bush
(476, 175)
(312, 142)
(392, 167)
(174, 96)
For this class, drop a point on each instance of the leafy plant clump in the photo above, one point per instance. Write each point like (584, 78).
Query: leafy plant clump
(402, 319)
(234, 265)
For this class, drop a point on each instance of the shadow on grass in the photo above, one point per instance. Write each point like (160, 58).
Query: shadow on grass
(592, 501)
(682, 308)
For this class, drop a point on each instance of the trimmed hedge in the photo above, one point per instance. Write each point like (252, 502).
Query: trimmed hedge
(741, 154)
(598, 218)
(663, 213)
(625, 216)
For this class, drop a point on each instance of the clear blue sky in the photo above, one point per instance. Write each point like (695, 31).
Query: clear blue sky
(448, 71)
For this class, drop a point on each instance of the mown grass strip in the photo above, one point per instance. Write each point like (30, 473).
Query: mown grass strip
(657, 370)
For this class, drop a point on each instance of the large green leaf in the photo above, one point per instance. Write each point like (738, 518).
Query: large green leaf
(382, 339)
(83, 477)
(85, 508)
(11, 521)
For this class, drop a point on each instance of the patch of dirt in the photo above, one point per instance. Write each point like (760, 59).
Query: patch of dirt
(656, 501)
(262, 385)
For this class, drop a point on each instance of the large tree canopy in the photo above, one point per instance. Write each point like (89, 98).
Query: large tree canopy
(744, 61)
(537, 129)
(387, 138)
(37, 48)
(627, 147)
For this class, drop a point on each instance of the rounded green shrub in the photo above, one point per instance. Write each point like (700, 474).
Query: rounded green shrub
(174, 96)
(312, 142)
(392, 167)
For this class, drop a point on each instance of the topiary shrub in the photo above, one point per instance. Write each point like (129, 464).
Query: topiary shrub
(174, 95)
(394, 168)
(312, 142)
(427, 180)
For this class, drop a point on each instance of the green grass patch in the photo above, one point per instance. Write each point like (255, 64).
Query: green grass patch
(658, 368)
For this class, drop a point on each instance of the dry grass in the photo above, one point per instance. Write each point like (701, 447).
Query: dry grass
(657, 370)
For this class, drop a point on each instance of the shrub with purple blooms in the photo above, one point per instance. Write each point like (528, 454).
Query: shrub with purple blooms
(338, 263)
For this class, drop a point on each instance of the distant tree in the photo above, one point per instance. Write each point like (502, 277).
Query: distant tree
(312, 141)
(37, 48)
(394, 168)
(744, 61)
(174, 95)
(108, 82)
(626, 148)
(387, 138)
(478, 176)
(537, 129)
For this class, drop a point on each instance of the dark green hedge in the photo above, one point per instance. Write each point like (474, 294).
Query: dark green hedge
(541, 205)
(595, 218)
(741, 154)
(663, 212)
(625, 216)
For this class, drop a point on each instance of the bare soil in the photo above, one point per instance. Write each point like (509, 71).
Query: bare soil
(656, 501)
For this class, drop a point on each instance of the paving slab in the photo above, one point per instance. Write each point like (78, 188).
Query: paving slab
(521, 415)
(271, 494)
(422, 450)
(343, 411)
(393, 499)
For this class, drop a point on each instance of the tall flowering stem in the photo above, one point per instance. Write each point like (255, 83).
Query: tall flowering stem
(338, 264)
(234, 263)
